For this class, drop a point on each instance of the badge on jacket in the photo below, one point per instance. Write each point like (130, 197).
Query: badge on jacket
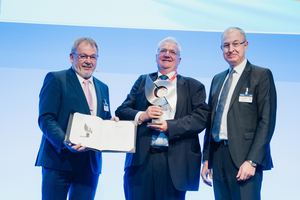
(247, 98)
(105, 105)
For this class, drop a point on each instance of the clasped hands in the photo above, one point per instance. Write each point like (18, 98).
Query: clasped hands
(154, 112)
(75, 148)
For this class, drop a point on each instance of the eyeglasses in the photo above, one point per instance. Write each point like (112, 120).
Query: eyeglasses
(85, 57)
(234, 45)
(171, 51)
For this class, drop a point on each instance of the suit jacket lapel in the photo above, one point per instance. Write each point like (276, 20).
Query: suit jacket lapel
(240, 83)
(181, 96)
(74, 82)
(153, 76)
(100, 99)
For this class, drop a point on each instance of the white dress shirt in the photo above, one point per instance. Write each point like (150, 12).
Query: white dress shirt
(235, 78)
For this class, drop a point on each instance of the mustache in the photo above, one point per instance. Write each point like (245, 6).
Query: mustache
(87, 65)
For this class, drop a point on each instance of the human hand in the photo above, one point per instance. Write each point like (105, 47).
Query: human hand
(152, 112)
(75, 148)
(160, 126)
(205, 173)
(245, 172)
(115, 119)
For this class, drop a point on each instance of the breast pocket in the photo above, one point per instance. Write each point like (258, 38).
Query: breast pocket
(249, 135)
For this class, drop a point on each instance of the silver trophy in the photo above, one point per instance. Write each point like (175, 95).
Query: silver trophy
(159, 93)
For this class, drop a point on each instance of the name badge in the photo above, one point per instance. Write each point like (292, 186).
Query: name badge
(105, 105)
(247, 98)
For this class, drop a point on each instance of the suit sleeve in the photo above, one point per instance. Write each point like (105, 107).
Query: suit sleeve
(207, 136)
(267, 104)
(49, 104)
(128, 111)
(197, 112)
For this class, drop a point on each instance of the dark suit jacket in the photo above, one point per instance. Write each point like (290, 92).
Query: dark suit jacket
(191, 117)
(61, 95)
(250, 125)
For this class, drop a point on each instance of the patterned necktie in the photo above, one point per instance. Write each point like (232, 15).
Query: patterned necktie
(88, 95)
(163, 77)
(221, 105)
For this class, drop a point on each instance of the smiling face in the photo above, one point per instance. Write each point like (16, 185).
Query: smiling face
(84, 67)
(233, 50)
(168, 58)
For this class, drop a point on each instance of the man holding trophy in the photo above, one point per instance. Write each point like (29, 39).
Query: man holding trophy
(171, 111)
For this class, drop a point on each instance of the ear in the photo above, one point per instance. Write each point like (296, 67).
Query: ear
(71, 57)
(156, 57)
(246, 45)
(179, 60)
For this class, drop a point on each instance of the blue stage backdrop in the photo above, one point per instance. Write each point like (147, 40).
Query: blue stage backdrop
(36, 37)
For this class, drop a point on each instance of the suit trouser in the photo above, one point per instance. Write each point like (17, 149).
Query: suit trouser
(226, 186)
(151, 180)
(80, 185)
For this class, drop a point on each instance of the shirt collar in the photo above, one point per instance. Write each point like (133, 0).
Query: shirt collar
(240, 68)
(82, 79)
(171, 74)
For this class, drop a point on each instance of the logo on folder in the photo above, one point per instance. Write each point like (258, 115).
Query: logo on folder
(88, 131)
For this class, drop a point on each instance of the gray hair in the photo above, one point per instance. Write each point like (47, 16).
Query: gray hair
(83, 39)
(230, 29)
(169, 39)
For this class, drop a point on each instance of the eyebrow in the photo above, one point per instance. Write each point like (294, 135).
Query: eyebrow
(232, 42)
(168, 49)
(84, 54)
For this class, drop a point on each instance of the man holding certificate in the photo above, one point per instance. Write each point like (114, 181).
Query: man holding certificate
(168, 156)
(71, 169)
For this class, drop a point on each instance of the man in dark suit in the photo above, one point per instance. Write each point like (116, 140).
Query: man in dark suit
(168, 156)
(237, 142)
(69, 168)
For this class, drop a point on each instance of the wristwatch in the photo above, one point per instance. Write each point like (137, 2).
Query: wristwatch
(253, 164)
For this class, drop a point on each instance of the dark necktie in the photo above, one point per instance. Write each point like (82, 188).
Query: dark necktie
(221, 105)
(163, 77)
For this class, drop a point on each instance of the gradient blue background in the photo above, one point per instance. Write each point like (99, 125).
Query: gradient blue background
(29, 49)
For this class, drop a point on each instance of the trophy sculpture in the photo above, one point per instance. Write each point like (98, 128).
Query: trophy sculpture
(160, 93)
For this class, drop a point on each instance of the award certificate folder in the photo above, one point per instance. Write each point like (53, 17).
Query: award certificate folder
(101, 135)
